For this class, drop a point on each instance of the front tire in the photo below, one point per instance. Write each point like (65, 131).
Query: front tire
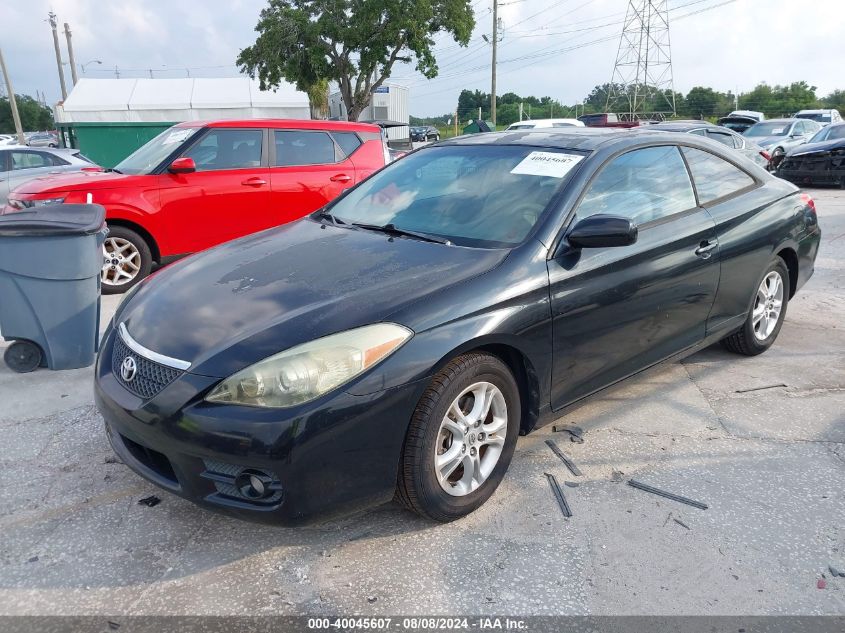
(461, 438)
(126, 260)
(768, 310)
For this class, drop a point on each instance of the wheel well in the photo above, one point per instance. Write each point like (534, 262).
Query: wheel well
(790, 258)
(142, 232)
(526, 379)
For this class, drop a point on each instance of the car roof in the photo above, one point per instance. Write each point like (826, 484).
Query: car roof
(579, 138)
(296, 124)
(681, 126)
(782, 120)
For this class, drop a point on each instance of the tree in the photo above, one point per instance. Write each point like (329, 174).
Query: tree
(702, 102)
(34, 116)
(353, 42)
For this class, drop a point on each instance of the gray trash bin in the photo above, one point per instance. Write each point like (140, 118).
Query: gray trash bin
(50, 263)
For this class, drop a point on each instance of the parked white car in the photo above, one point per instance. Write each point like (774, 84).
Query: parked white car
(822, 117)
(544, 123)
(19, 164)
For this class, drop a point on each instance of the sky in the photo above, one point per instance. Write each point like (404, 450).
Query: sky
(571, 45)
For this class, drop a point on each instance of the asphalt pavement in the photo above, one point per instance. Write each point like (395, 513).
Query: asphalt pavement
(760, 440)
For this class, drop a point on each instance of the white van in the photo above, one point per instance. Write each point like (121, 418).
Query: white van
(823, 117)
(544, 123)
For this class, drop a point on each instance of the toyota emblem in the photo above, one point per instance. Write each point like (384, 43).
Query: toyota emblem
(128, 369)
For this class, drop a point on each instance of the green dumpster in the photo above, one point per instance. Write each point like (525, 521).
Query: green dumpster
(108, 143)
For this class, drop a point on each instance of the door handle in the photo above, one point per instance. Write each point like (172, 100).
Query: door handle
(340, 178)
(255, 181)
(705, 248)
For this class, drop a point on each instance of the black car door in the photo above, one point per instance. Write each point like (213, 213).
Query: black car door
(618, 310)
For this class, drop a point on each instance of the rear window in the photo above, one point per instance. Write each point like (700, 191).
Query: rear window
(301, 147)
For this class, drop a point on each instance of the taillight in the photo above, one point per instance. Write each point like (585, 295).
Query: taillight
(766, 155)
(808, 201)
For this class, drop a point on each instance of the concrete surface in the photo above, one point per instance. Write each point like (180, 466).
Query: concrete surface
(770, 463)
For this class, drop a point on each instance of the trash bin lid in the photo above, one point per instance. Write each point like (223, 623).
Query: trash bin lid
(54, 219)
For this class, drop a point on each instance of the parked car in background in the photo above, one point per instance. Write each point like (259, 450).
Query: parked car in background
(198, 184)
(19, 164)
(423, 133)
(605, 119)
(43, 139)
(720, 134)
(778, 136)
(9, 139)
(741, 120)
(821, 161)
(822, 117)
(544, 124)
(396, 343)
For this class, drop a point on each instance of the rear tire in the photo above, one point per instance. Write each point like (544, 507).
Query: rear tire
(759, 333)
(126, 260)
(455, 455)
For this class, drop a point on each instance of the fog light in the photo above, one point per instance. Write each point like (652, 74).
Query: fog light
(253, 484)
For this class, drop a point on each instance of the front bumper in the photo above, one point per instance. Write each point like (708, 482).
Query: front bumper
(333, 456)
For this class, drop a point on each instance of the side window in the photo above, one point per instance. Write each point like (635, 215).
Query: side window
(699, 132)
(348, 141)
(227, 149)
(714, 177)
(643, 185)
(721, 137)
(300, 147)
(31, 160)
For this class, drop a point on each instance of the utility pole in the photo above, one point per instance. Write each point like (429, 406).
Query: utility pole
(116, 72)
(51, 18)
(70, 58)
(493, 82)
(456, 121)
(479, 113)
(12, 102)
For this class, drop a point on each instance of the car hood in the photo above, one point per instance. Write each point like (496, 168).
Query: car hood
(823, 146)
(236, 304)
(768, 141)
(78, 180)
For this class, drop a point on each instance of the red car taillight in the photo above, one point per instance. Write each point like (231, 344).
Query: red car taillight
(808, 201)
(766, 155)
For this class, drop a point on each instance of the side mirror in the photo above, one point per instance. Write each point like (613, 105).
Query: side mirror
(601, 231)
(184, 165)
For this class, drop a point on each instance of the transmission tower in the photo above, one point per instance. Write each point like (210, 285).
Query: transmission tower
(642, 85)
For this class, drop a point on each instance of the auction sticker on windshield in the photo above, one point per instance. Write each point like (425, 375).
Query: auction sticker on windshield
(547, 164)
(177, 136)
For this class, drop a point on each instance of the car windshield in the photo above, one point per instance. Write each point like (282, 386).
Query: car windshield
(487, 196)
(769, 128)
(829, 133)
(821, 117)
(147, 157)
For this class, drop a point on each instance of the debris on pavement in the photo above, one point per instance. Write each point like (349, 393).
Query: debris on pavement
(617, 476)
(576, 433)
(112, 459)
(669, 495)
(150, 501)
(568, 462)
(558, 493)
(571, 484)
(821, 584)
(681, 523)
(836, 571)
(34, 559)
(114, 626)
(372, 599)
(780, 384)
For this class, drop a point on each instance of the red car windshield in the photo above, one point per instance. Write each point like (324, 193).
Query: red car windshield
(147, 157)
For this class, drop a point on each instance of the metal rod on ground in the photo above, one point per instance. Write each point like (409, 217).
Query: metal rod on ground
(12, 102)
(568, 462)
(558, 493)
(493, 82)
(70, 58)
(669, 495)
(53, 23)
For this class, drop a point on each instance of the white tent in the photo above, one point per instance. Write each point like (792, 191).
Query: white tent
(188, 99)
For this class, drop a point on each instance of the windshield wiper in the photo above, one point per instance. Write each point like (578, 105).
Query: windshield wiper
(392, 229)
(325, 215)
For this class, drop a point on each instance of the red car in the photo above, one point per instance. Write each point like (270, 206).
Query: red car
(202, 183)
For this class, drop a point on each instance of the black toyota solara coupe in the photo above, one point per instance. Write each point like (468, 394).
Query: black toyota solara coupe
(396, 343)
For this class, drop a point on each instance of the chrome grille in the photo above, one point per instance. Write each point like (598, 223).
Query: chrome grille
(150, 377)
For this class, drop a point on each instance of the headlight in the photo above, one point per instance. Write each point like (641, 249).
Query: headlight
(307, 371)
(45, 202)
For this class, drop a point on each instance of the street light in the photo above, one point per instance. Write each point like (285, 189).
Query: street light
(93, 61)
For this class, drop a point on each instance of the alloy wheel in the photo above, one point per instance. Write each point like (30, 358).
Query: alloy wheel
(121, 261)
(767, 306)
(471, 438)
